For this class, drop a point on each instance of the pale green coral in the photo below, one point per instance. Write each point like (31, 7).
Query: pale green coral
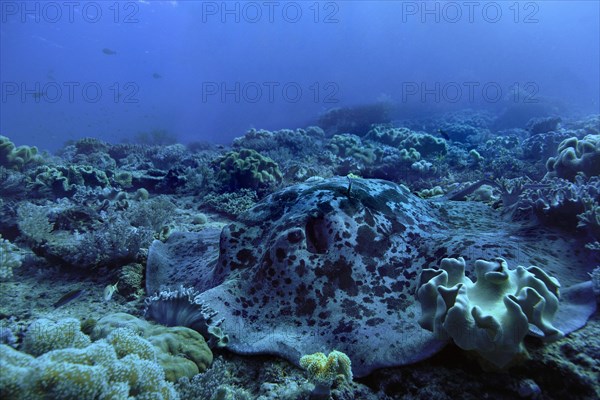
(493, 314)
(425, 144)
(69, 366)
(93, 372)
(63, 180)
(125, 341)
(179, 350)
(347, 145)
(576, 156)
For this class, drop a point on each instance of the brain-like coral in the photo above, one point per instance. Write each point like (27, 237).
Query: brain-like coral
(388, 135)
(576, 156)
(44, 335)
(492, 314)
(299, 142)
(93, 372)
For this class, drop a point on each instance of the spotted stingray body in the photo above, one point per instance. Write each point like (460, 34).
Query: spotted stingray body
(322, 266)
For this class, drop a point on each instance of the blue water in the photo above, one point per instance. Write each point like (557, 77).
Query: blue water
(208, 71)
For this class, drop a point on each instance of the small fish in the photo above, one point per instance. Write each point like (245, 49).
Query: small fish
(108, 52)
(69, 297)
(443, 134)
(156, 75)
(109, 291)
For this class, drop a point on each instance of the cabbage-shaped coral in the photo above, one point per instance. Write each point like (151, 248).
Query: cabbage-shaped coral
(15, 157)
(492, 315)
(576, 156)
(426, 144)
(346, 145)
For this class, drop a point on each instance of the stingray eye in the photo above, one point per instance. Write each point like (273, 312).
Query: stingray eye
(316, 234)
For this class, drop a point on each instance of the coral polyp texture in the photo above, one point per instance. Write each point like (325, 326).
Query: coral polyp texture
(491, 315)
(323, 370)
(122, 366)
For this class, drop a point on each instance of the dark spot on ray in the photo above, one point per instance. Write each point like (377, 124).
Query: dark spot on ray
(374, 321)
(339, 272)
(343, 327)
(280, 254)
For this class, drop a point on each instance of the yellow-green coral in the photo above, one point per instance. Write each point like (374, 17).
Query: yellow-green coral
(180, 351)
(324, 370)
(247, 169)
(15, 157)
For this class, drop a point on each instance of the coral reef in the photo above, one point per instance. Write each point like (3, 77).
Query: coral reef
(538, 125)
(15, 157)
(180, 351)
(247, 169)
(329, 263)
